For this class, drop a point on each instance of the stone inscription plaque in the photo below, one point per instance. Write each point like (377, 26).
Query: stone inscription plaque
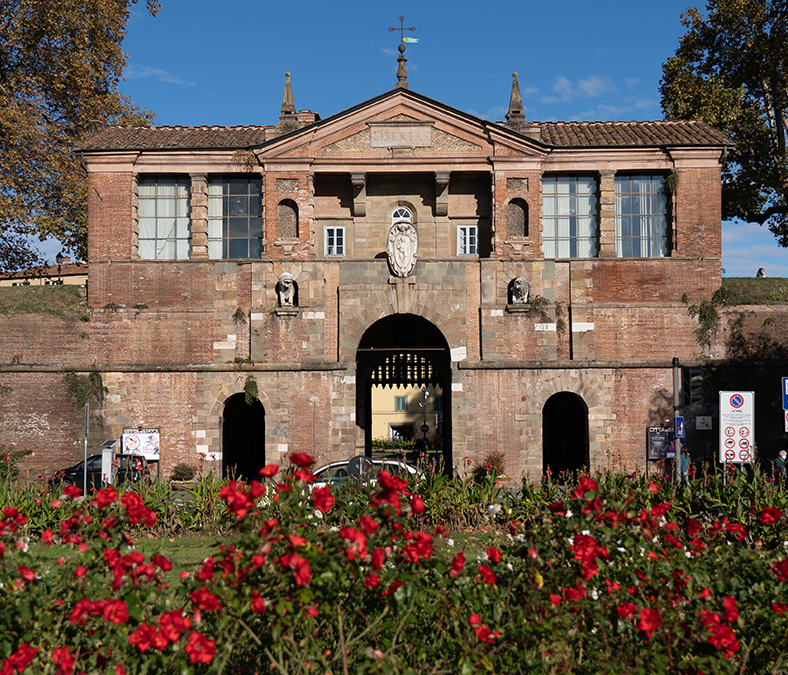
(401, 135)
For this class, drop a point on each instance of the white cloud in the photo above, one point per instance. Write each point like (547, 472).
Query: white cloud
(631, 82)
(594, 86)
(388, 52)
(139, 72)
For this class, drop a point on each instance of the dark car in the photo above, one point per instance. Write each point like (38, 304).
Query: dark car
(128, 468)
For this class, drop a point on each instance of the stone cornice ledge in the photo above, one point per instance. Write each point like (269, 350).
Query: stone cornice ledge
(173, 368)
(590, 365)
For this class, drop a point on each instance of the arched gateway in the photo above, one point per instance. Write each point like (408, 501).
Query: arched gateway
(243, 438)
(565, 434)
(406, 352)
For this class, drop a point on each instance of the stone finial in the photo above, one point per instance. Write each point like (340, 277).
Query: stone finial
(402, 71)
(515, 118)
(287, 117)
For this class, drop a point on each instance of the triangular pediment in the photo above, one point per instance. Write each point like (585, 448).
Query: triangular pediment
(397, 125)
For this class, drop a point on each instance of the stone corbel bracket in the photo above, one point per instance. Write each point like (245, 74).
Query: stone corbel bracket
(359, 182)
(442, 193)
(286, 312)
(517, 244)
(287, 245)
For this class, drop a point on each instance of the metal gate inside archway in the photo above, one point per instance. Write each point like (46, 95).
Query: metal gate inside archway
(403, 391)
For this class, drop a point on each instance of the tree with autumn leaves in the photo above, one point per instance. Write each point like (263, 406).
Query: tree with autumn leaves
(731, 70)
(60, 65)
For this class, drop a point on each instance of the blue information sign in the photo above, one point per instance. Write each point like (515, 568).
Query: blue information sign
(785, 393)
(679, 427)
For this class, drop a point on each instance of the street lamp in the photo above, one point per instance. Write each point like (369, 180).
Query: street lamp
(59, 261)
(424, 428)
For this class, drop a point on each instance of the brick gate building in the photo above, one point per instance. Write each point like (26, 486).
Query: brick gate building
(538, 272)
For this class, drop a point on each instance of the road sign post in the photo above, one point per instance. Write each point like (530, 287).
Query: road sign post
(785, 393)
(737, 427)
(679, 427)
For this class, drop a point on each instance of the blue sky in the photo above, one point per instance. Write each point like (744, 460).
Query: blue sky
(210, 62)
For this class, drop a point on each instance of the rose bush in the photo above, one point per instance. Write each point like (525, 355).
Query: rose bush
(615, 574)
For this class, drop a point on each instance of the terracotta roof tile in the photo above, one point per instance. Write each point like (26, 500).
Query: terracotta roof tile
(606, 134)
(176, 138)
(560, 134)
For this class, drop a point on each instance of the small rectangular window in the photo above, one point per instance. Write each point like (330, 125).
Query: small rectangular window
(437, 402)
(335, 240)
(401, 403)
(164, 218)
(467, 239)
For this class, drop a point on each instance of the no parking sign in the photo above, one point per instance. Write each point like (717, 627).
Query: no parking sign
(737, 426)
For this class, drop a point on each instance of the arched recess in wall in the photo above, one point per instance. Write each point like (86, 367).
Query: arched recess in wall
(406, 353)
(517, 218)
(287, 219)
(565, 448)
(243, 438)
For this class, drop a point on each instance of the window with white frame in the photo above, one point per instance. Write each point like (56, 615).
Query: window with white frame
(400, 214)
(235, 217)
(641, 217)
(467, 240)
(334, 240)
(569, 217)
(164, 227)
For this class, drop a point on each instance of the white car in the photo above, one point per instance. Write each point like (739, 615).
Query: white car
(363, 469)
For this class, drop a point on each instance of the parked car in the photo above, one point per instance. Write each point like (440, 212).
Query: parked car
(128, 468)
(344, 471)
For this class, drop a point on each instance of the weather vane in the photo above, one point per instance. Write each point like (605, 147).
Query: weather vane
(402, 73)
(402, 30)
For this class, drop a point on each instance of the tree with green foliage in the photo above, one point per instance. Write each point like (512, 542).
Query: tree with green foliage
(60, 65)
(731, 70)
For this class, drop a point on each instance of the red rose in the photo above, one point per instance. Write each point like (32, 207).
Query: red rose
(258, 603)
(142, 637)
(116, 611)
(22, 657)
(780, 569)
(487, 574)
(770, 515)
(322, 498)
(301, 459)
(731, 611)
(650, 620)
(199, 648)
(205, 600)
(369, 525)
(172, 624)
(458, 563)
(269, 470)
(64, 660)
